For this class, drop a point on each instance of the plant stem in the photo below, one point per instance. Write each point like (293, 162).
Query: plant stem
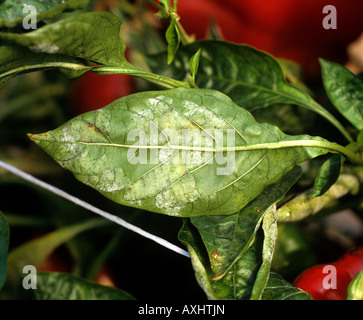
(324, 113)
(304, 205)
(133, 71)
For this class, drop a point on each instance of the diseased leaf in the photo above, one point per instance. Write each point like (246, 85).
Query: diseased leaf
(269, 226)
(11, 11)
(190, 237)
(345, 90)
(328, 175)
(228, 266)
(92, 35)
(279, 289)
(15, 60)
(233, 161)
(63, 286)
(4, 246)
(227, 237)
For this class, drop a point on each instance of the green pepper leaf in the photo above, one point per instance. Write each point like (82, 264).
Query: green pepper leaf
(15, 60)
(4, 246)
(62, 286)
(269, 226)
(228, 266)
(328, 175)
(251, 78)
(11, 11)
(173, 176)
(92, 35)
(345, 90)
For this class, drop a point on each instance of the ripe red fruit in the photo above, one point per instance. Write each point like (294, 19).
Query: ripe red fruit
(330, 281)
(352, 261)
(322, 284)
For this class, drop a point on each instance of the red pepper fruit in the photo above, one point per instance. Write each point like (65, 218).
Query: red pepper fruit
(352, 261)
(322, 284)
(332, 282)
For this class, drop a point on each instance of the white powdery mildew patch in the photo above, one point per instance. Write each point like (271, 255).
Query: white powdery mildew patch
(70, 134)
(47, 47)
(178, 195)
(202, 115)
(111, 181)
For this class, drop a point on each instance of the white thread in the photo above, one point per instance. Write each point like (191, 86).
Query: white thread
(92, 208)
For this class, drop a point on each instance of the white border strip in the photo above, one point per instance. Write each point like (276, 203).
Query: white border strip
(90, 207)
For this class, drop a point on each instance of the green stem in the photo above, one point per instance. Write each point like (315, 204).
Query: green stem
(46, 65)
(324, 113)
(133, 71)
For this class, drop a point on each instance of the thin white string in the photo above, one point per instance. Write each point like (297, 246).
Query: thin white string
(92, 208)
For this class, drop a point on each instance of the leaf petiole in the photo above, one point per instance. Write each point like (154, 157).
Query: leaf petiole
(131, 70)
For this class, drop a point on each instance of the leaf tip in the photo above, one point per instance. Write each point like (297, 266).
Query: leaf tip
(37, 137)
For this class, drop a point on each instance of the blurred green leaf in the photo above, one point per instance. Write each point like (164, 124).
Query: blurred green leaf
(4, 246)
(62, 286)
(92, 35)
(35, 251)
(293, 252)
(11, 11)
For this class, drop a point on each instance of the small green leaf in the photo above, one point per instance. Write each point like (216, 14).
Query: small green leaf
(11, 11)
(328, 175)
(193, 65)
(104, 155)
(63, 286)
(173, 40)
(4, 246)
(92, 35)
(345, 90)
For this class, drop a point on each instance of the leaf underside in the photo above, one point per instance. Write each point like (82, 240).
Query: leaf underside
(95, 147)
